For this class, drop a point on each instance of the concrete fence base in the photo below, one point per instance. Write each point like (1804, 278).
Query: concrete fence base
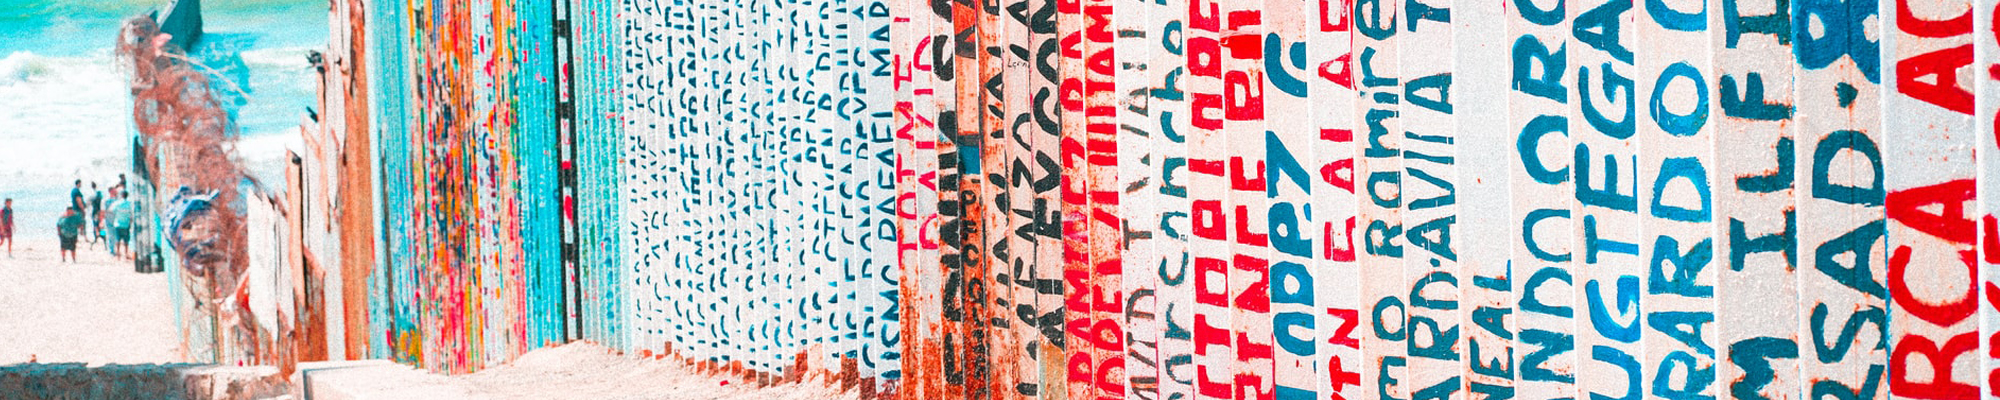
(141, 381)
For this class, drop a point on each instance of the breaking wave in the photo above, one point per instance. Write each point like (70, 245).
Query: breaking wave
(21, 66)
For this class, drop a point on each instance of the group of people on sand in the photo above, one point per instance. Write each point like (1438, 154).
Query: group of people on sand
(96, 219)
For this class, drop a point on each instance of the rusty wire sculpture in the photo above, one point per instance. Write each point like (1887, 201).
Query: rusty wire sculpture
(191, 146)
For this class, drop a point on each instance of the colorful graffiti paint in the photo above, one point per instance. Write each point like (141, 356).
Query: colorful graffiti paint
(1756, 349)
(1200, 199)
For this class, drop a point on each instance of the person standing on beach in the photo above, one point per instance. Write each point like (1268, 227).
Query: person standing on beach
(96, 233)
(76, 199)
(7, 227)
(121, 224)
(68, 228)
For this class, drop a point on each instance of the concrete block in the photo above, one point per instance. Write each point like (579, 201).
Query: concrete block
(372, 379)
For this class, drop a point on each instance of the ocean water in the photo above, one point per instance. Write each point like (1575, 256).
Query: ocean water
(65, 112)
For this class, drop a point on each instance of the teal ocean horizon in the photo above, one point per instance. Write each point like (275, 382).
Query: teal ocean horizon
(65, 111)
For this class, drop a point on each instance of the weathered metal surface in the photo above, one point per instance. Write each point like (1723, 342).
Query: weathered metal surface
(1488, 313)
(1539, 121)
(1232, 199)
(1378, 173)
(1756, 215)
(1986, 121)
(1929, 144)
(1839, 179)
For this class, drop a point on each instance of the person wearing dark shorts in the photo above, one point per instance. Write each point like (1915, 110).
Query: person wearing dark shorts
(121, 223)
(67, 230)
(96, 216)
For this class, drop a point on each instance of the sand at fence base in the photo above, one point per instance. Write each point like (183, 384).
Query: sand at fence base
(588, 371)
(98, 311)
(93, 311)
(573, 371)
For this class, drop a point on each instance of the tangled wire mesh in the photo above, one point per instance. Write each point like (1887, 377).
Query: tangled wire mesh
(191, 146)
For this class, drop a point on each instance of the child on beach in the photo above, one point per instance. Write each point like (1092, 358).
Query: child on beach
(67, 230)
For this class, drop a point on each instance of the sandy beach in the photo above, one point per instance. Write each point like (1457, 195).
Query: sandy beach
(98, 311)
(94, 311)
(571, 371)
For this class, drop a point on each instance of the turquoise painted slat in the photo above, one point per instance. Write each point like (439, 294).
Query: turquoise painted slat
(535, 143)
(391, 310)
(595, 24)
